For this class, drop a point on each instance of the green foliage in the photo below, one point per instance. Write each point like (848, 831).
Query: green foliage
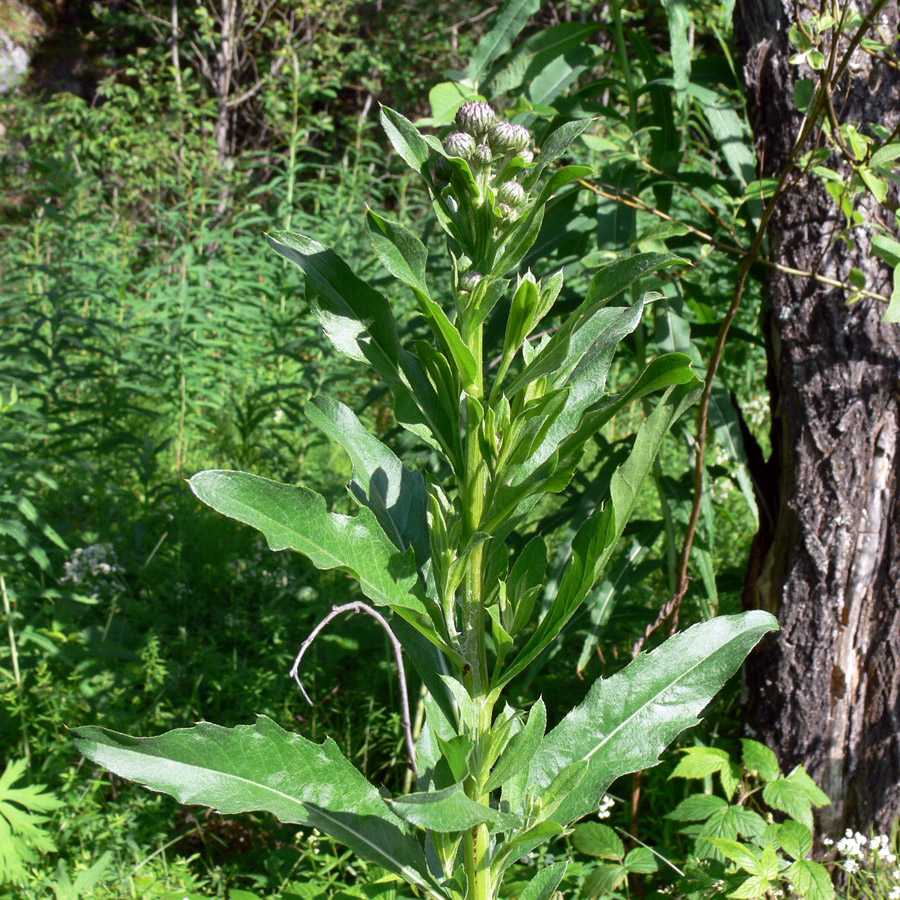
(739, 847)
(502, 440)
(23, 831)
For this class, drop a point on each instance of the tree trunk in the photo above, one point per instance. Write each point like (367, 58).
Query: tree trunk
(825, 692)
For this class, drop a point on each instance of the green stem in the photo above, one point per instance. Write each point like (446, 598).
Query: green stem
(17, 675)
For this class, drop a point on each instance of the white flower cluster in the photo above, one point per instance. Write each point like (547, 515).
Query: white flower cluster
(855, 849)
(94, 568)
(606, 805)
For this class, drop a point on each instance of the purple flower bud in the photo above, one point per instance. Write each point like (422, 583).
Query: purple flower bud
(460, 144)
(483, 155)
(511, 193)
(505, 137)
(475, 117)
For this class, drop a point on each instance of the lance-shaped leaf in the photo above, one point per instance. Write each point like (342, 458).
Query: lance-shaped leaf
(627, 720)
(511, 19)
(396, 495)
(405, 138)
(359, 322)
(263, 767)
(450, 810)
(596, 539)
(607, 282)
(297, 518)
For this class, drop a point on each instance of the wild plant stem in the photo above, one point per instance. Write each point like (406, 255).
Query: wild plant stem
(14, 653)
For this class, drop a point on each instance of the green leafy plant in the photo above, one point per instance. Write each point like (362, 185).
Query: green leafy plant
(22, 835)
(458, 554)
(739, 847)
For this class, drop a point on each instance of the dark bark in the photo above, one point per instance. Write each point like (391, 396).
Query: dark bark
(825, 691)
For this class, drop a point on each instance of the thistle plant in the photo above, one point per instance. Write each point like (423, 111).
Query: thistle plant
(456, 557)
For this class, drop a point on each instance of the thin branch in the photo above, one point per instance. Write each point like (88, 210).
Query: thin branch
(358, 606)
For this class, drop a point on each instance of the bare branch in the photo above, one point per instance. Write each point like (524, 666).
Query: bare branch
(358, 606)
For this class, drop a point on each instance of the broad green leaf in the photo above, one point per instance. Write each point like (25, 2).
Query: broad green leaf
(520, 750)
(641, 860)
(795, 839)
(886, 154)
(796, 795)
(399, 250)
(609, 281)
(558, 74)
(359, 322)
(700, 762)
(892, 313)
(810, 880)
(603, 881)
(511, 19)
(445, 99)
(509, 852)
(738, 853)
(297, 518)
(759, 758)
(545, 882)
(597, 538)
(263, 767)
(450, 810)
(597, 839)
(627, 720)
(395, 494)
(534, 53)
(753, 887)
(697, 808)
(405, 139)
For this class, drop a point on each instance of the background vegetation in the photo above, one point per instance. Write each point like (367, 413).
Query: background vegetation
(147, 333)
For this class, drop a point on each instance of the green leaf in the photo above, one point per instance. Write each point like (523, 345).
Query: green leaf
(597, 538)
(723, 418)
(627, 720)
(405, 139)
(886, 154)
(597, 839)
(678, 15)
(739, 854)
(603, 881)
(297, 518)
(641, 860)
(445, 99)
(753, 887)
(700, 762)
(697, 808)
(795, 839)
(796, 795)
(511, 19)
(399, 250)
(545, 882)
(892, 313)
(450, 810)
(395, 494)
(262, 767)
(534, 53)
(359, 322)
(758, 757)
(520, 750)
(810, 880)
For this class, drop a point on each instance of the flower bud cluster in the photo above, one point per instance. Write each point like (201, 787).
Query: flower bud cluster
(484, 141)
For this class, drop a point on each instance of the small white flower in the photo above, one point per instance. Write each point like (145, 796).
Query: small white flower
(851, 866)
(894, 893)
(827, 842)
(278, 415)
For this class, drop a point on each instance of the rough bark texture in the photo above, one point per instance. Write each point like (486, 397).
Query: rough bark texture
(826, 691)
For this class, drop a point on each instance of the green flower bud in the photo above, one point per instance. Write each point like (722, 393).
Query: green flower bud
(483, 155)
(511, 193)
(468, 281)
(440, 170)
(507, 212)
(475, 117)
(505, 137)
(460, 144)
